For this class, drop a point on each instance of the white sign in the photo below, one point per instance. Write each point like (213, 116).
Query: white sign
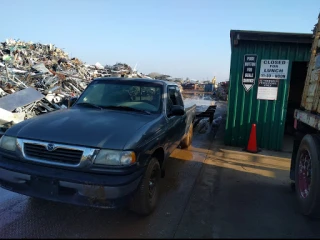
(267, 89)
(274, 69)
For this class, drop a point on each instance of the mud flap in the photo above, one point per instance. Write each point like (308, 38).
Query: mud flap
(296, 144)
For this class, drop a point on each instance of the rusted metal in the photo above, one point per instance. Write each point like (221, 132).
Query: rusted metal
(209, 113)
(95, 194)
(308, 118)
(311, 92)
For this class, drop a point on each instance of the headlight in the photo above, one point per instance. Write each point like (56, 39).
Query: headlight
(115, 158)
(8, 143)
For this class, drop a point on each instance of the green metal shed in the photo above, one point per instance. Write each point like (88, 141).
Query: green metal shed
(243, 106)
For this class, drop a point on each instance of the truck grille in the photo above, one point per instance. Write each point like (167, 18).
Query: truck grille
(62, 155)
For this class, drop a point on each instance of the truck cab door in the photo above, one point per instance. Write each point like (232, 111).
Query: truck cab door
(183, 119)
(175, 123)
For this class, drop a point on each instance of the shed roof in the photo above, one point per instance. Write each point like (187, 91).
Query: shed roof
(239, 35)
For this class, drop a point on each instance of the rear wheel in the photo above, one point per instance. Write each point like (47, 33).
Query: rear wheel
(307, 176)
(186, 142)
(145, 199)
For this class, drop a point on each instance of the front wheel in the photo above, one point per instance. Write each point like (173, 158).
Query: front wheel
(307, 176)
(145, 199)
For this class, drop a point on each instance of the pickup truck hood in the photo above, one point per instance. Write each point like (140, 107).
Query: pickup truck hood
(86, 127)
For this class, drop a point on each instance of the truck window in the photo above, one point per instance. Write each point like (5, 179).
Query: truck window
(179, 97)
(174, 98)
(138, 95)
(96, 93)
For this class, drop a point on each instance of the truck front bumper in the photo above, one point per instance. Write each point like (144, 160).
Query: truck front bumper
(62, 185)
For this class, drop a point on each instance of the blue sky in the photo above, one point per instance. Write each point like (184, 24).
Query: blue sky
(182, 38)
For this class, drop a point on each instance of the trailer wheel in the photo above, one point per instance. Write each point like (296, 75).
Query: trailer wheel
(186, 142)
(307, 176)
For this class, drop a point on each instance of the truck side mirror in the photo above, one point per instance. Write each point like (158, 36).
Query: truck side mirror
(177, 110)
(71, 101)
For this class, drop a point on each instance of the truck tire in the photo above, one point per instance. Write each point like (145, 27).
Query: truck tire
(307, 176)
(146, 197)
(186, 142)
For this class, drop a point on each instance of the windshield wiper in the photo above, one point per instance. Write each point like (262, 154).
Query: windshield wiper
(127, 109)
(90, 104)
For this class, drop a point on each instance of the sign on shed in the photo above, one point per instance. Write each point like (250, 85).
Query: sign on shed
(274, 69)
(249, 71)
(267, 89)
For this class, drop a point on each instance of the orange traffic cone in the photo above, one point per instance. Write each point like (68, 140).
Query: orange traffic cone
(252, 143)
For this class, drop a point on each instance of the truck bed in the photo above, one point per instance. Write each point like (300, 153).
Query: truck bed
(312, 120)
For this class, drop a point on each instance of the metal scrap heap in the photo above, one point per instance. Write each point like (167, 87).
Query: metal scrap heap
(38, 78)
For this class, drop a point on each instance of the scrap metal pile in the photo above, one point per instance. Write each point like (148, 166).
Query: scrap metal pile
(222, 90)
(38, 78)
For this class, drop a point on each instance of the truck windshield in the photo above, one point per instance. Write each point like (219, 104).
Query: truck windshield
(123, 94)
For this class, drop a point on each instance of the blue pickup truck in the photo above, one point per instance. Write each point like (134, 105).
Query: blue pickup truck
(108, 149)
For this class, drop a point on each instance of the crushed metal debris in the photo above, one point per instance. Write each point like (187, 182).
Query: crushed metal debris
(38, 78)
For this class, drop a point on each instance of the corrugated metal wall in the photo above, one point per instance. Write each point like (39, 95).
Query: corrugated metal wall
(244, 108)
